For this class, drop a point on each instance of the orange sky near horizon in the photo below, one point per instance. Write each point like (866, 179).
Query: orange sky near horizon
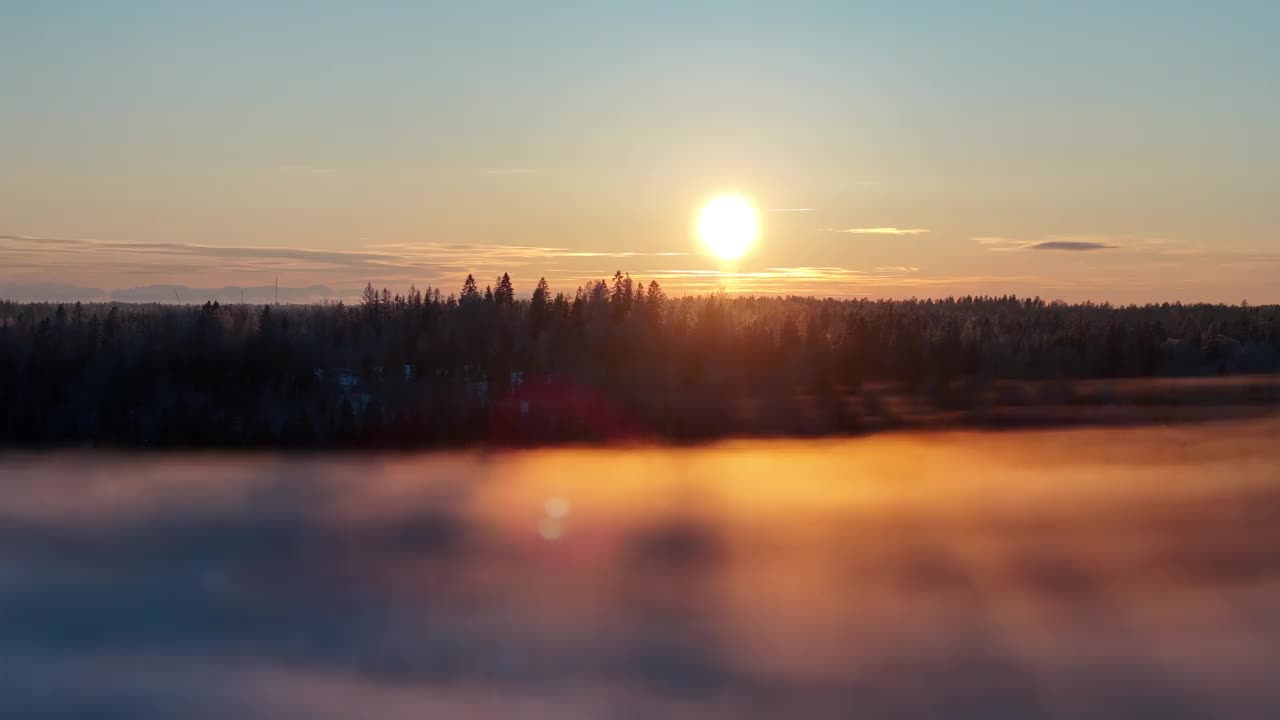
(889, 152)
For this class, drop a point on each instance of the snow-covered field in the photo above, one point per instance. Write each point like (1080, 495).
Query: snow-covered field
(1096, 572)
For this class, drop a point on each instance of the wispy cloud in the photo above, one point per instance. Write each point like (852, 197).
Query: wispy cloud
(832, 281)
(62, 292)
(1069, 245)
(201, 270)
(792, 209)
(999, 243)
(113, 263)
(1173, 257)
(163, 271)
(474, 250)
(880, 275)
(508, 172)
(374, 253)
(879, 231)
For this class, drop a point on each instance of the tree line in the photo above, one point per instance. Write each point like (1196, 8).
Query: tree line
(612, 359)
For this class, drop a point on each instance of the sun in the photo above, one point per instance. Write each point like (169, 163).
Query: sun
(728, 225)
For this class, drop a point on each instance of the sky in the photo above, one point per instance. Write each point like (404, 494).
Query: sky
(1122, 153)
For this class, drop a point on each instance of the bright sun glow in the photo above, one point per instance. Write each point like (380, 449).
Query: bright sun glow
(728, 225)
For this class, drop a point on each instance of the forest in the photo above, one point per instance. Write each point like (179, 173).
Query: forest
(613, 360)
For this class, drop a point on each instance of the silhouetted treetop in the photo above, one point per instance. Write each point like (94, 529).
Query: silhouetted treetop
(503, 293)
(469, 290)
(419, 368)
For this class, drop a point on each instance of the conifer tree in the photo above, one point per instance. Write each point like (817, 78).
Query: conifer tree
(504, 294)
(469, 290)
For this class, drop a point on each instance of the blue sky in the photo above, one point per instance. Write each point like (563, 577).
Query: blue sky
(1123, 153)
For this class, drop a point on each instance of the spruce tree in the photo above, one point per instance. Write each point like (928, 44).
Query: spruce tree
(469, 290)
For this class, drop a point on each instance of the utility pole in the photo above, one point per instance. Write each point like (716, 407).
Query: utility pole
(277, 289)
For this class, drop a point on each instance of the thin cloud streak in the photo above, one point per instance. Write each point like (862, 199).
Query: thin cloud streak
(154, 265)
(1080, 243)
(391, 253)
(61, 292)
(504, 251)
(999, 243)
(1070, 245)
(794, 209)
(115, 263)
(879, 231)
(828, 281)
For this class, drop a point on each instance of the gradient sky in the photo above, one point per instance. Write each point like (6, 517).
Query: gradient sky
(1074, 150)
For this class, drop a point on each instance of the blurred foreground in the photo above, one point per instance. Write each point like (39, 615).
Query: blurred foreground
(1084, 573)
